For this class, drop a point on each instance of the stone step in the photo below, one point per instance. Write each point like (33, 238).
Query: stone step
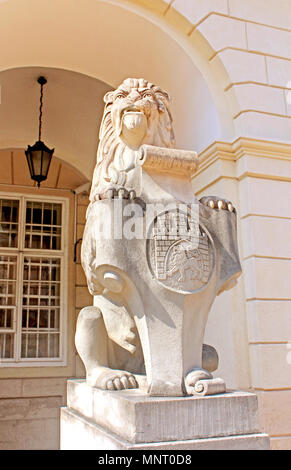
(80, 433)
(137, 418)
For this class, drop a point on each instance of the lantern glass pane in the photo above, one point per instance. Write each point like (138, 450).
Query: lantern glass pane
(46, 162)
(36, 156)
(28, 156)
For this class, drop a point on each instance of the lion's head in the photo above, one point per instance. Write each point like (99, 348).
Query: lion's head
(136, 113)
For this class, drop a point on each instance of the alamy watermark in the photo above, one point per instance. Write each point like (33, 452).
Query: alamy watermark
(133, 220)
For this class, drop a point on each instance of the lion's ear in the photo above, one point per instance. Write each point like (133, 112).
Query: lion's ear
(163, 100)
(108, 98)
(161, 106)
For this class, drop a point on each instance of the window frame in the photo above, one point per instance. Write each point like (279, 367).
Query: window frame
(20, 252)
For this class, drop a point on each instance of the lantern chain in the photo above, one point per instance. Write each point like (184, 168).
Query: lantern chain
(42, 81)
(40, 111)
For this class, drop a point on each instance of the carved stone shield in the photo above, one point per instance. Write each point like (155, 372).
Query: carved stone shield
(180, 252)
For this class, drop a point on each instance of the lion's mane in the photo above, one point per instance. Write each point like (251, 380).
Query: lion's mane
(110, 142)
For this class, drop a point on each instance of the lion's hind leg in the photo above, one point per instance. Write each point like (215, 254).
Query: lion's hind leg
(209, 358)
(91, 342)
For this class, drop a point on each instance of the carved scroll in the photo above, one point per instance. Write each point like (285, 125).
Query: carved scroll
(176, 162)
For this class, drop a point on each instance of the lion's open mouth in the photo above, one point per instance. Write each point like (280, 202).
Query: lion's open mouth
(133, 118)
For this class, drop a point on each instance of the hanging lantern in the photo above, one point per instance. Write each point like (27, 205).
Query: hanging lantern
(39, 155)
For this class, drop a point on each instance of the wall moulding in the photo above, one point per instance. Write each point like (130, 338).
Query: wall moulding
(244, 157)
(240, 147)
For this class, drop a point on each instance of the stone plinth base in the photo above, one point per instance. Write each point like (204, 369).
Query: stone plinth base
(130, 419)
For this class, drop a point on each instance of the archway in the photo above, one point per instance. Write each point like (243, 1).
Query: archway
(107, 42)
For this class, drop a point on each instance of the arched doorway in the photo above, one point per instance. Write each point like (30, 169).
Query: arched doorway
(108, 41)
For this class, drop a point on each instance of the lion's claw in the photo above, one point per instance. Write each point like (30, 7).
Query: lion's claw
(111, 379)
(117, 192)
(121, 382)
(216, 203)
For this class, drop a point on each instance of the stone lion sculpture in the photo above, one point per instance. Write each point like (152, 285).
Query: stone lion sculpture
(146, 326)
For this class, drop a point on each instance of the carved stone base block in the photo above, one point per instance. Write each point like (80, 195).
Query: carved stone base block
(129, 419)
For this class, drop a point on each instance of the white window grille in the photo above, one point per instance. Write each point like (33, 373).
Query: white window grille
(32, 280)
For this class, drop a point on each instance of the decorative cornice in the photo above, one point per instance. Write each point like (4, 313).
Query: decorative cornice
(233, 151)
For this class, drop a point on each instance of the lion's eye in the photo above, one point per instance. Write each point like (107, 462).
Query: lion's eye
(119, 96)
(147, 95)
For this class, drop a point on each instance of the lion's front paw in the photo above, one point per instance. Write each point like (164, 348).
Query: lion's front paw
(111, 379)
(217, 203)
(119, 380)
(117, 192)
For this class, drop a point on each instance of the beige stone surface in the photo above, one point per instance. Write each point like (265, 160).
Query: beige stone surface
(178, 21)
(159, 6)
(263, 169)
(263, 126)
(196, 10)
(29, 413)
(273, 420)
(279, 71)
(269, 320)
(30, 434)
(222, 186)
(70, 178)
(287, 94)
(267, 278)
(30, 423)
(242, 66)
(220, 335)
(257, 97)
(80, 433)
(44, 387)
(266, 236)
(29, 408)
(275, 168)
(80, 230)
(227, 331)
(80, 276)
(222, 32)
(270, 366)
(6, 167)
(83, 199)
(269, 40)
(10, 388)
(83, 297)
(218, 169)
(95, 419)
(21, 174)
(280, 443)
(81, 214)
(257, 197)
(262, 11)
(80, 368)
(150, 419)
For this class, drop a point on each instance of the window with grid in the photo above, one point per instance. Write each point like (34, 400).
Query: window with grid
(32, 262)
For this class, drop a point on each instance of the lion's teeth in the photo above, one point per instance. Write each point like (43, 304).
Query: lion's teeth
(132, 120)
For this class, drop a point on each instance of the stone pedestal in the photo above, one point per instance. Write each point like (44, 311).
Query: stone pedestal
(129, 419)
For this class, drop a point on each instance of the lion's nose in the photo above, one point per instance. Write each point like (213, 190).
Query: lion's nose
(134, 95)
